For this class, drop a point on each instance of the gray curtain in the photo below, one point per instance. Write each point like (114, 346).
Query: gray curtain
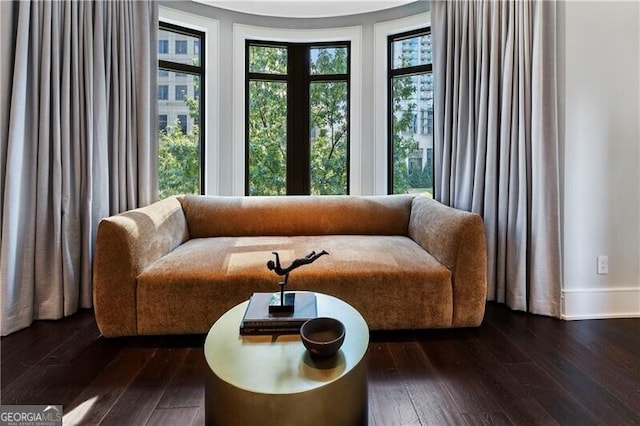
(78, 144)
(496, 139)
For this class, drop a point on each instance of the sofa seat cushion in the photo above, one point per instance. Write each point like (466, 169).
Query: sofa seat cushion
(189, 288)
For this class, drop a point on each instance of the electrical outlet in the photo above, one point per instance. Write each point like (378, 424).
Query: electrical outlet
(603, 265)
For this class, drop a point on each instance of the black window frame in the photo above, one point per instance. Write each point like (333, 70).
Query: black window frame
(401, 72)
(198, 70)
(298, 79)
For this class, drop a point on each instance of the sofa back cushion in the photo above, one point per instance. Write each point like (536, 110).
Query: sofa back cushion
(213, 216)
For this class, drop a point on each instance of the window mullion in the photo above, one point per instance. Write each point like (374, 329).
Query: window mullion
(298, 148)
(329, 77)
(267, 77)
(421, 69)
(176, 66)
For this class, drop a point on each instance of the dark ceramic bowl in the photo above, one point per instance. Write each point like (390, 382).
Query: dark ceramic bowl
(322, 336)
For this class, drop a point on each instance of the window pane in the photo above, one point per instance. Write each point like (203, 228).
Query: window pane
(181, 53)
(267, 138)
(413, 134)
(162, 122)
(182, 122)
(328, 60)
(163, 91)
(179, 143)
(268, 60)
(181, 92)
(163, 46)
(181, 47)
(410, 52)
(328, 138)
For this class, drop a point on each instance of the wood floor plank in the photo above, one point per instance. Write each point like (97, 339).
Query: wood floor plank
(597, 400)
(172, 416)
(40, 336)
(81, 371)
(428, 394)
(186, 389)
(27, 347)
(198, 419)
(520, 407)
(611, 376)
(618, 332)
(29, 388)
(66, 353)
(389, 401)
(615, 347)
(629, 327)
(136, 404)
(556, 400)
(502, 348)
(95, 401)
(450, 361)
(60, 383)
(580, 372)
(488, 419)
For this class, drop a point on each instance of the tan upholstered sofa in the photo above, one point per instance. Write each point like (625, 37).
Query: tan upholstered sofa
(403, 261)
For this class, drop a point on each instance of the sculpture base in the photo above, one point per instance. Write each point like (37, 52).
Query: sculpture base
(278, 305)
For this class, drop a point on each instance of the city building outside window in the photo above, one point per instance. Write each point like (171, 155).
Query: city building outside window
(410, 113)
(180, 129)
(297, 121)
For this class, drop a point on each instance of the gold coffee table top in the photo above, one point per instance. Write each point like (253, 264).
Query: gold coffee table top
(281, 364)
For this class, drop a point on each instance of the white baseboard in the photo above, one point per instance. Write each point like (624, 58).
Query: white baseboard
(599, 303)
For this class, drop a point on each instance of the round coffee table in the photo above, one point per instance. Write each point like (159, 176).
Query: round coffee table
(258, 380)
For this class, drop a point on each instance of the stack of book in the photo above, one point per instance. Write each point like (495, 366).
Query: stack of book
(258, 320)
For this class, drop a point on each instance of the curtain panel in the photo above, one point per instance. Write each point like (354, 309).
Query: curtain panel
(496, 139)
(79, 138)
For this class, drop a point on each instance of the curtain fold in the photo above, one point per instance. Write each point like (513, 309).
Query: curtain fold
(496, 139)
(79, 143)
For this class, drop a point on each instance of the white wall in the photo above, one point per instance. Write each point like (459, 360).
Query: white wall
(599, 52)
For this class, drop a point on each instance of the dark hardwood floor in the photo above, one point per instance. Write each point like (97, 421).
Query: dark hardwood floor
(515, 369)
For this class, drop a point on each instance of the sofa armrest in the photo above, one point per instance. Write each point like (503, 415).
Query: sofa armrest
(126, 244)
(455, 238)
